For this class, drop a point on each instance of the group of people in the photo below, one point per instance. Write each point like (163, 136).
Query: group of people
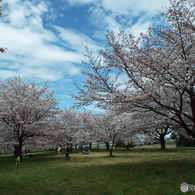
(27, 155)
(83, 152)
(67, 157)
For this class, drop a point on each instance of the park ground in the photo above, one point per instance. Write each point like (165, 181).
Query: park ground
(144, 170)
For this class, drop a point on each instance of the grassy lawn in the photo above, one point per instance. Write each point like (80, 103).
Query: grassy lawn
(137, 171)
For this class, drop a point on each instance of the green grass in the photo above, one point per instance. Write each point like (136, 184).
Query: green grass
(137, 171)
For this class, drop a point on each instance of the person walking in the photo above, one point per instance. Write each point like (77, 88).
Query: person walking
(67, 157)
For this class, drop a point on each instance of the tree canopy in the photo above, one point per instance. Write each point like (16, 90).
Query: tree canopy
(25, 110)
(154, 72)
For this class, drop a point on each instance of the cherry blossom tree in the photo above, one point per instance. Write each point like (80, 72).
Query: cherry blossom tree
(69, 125)
(154, 72)
(85, 134)
(7, 139)
(110, 127)
(25, 109)
(53, 134)
(155, 126)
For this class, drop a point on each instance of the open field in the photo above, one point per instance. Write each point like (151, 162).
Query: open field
(137, 171)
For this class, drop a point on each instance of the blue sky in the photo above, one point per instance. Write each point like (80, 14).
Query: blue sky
(46, 39)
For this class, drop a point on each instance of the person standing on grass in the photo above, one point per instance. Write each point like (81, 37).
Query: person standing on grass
(17, 161)
(67, 152)
(59, 151)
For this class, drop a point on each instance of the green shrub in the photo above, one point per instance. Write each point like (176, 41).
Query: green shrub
(120, 143)
(184, 141)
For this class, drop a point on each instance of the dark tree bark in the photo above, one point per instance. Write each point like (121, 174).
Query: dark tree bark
(107, 145)
(162, 142)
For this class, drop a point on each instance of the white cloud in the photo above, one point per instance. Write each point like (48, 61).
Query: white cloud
(21, 13)
(138, 28)
(135, 16)
(103, 20)
(17, 18)
(5, 74)
(42, 73)
(125, 7)
(92, 108)
(74, 39)
(80, 2)
(40, 49)
(34, 47)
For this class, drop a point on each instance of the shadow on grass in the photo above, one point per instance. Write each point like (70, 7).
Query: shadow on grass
(162, 176)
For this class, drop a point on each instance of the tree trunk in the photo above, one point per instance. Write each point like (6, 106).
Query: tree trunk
(111, 152)
(111, 149)
(19, 149)
(107, 145)
(90, 145)
(127, 146)
(70, 148)
(162, 142)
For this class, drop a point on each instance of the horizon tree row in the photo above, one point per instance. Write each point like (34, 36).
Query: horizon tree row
(30, 117)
